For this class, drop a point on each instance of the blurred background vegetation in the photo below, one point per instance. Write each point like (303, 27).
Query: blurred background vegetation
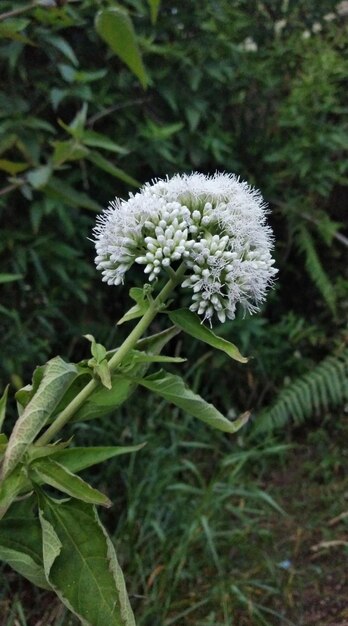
(210, 531)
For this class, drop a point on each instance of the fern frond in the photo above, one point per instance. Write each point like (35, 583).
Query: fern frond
(325, 387)
(314, 267)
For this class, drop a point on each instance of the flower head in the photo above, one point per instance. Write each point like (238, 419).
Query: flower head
(215, 225)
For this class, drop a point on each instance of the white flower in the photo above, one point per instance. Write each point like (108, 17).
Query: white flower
(249, 45)
(214, 225)
(279, 25)
(317, 27)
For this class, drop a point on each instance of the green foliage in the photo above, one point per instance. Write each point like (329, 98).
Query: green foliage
(76, 547)
(324, 387)
(230, 86)
(191, 324)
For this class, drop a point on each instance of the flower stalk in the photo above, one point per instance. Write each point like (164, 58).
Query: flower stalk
(155, 306)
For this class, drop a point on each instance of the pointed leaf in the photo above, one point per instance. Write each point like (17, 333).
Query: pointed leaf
(60, 190)
(56, 378)
(81, 565)
(97, 140)
(37, 452)
(173, 389)
(40, 176)
(138, 310)
(143, 357)
(11, 486)
(115, 27)
(3, 402)
(47, 471)
(9, 278)
(21, 546)
(104, 401)
(154, 8)
(191, 324)
(102, 370)
(97, 349)
(111, 169)
(77, 459)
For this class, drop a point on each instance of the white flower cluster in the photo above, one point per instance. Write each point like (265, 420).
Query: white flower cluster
(215, 225)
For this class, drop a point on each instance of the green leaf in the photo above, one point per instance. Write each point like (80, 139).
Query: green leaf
(110, 168)
(62, 45)
(60, 190)
(37, 452)
(21, 545)
(143, 357)
(97, 349)
(25, 394)
(39, 177)
(8, 278)
(3, 402)
(104, 401)
(154, 8)
(3, 444)
(11, 28)
(191, 324)
(11, 486)
(97, 140)
(173, 389)
(67, 151)
(99, 362)
(115, 27)
(13, 167)
(77, 459)
(102, 370)
(81, 565)
(56, 378)
(50, 472)
(141, 306)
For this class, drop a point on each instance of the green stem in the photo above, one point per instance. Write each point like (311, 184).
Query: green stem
(115, 360)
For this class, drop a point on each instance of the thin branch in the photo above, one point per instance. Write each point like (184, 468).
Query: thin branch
(10, 188)
(18, 11)
(116, 107)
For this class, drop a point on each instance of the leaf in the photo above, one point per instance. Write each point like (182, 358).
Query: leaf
(97, 140)
(191, 324)
(13, 167)
(67, 194)
(50, 472)
(3, 402)
(140, 308)
(77, 459)
(97, 349)
(99, 362)
(62, 45)
(110, 168)
(8, 278)
(67, 151)
(102, 370)
(104, 401)
(37, 452)
(25, 394)
(81, 565)
(39, 177)
(115, 27)
(21, 545)
(154, 8)
(3, 444)
(173, 389)
(143, 357)
(11, 486)
(56, 378)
